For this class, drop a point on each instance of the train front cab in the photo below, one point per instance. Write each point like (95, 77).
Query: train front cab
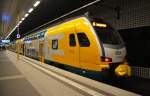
(101, 47)
(75, 43)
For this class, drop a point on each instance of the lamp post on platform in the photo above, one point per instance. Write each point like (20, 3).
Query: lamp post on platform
(18, 35)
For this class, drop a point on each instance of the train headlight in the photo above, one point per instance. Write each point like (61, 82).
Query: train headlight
(106, 59)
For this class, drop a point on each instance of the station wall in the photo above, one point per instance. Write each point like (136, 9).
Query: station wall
(132, 19)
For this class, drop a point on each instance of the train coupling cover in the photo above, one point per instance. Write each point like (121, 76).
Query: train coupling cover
(123, 69)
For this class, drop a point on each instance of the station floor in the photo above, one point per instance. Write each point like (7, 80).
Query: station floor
(19, 79)
(12, 81)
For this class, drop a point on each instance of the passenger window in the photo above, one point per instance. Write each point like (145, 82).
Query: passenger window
(55, 44)
(72, 40)
(83, 40)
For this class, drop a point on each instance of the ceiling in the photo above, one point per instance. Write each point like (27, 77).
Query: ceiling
(1, 6)
(9, 11)
(45, 12)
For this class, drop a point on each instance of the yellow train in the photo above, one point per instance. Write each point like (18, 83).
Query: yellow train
(82, 43)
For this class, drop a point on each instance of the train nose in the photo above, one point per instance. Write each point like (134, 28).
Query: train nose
(117, 55)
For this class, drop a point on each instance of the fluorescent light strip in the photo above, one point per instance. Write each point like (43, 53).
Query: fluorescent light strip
(18, 24)
(36, 3)
(11, 32)
(62, 15)
(26, 15)
(22, 19)
(89, 4)
(30, 10)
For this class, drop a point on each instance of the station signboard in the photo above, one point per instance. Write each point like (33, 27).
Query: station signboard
(5, 41)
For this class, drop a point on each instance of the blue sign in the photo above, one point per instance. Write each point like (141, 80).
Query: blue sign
(18, 35)
(5, 41)
(5, 18)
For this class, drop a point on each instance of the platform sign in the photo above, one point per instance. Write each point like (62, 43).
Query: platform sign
(5, 41)
(18, 35)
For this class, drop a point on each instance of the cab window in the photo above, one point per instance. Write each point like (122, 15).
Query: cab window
(83, 40)
(72, 41)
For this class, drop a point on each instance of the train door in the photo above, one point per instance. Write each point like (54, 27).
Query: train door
(73, 48)
(83, 48)
(41, 51)
(87, 52)
(23, 48)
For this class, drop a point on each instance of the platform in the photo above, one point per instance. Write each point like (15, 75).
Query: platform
(12, 81)
(28, 77)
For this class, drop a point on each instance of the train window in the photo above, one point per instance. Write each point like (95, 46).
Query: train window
(55, 44)
(72, 40)
(105, 33)
(83, 40)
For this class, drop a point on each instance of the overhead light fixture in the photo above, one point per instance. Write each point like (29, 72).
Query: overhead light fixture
(11, 32)
(36, 3)
(26, 15)
(30, 10)
(18, 24)
(15, 27)
(22, 19)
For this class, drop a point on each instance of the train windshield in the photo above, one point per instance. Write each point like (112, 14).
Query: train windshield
(106, 33)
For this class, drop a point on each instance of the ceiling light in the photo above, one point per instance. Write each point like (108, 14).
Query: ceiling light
(18, 24)
(26, 15)
(22, 19)
(36, 3)
(30, 10)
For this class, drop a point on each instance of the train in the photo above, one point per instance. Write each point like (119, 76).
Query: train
(82, 43)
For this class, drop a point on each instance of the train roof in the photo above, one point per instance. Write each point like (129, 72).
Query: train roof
(52, 25)
(40, 28)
